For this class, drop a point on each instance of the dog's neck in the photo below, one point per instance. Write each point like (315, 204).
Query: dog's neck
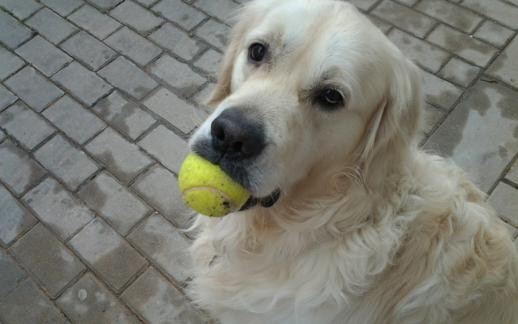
(338, 207)
(328, 203)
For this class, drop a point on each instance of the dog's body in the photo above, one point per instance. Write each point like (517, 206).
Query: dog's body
(368, 228)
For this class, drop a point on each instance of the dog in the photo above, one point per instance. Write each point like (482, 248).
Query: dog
(318, 114)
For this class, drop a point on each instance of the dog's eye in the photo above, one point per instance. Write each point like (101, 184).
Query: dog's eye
(330, 98)
(257, 52)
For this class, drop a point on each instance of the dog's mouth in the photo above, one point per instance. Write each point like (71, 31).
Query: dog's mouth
(265, 202)
(238, 172)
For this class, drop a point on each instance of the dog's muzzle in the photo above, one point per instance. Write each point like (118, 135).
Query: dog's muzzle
(236, 140)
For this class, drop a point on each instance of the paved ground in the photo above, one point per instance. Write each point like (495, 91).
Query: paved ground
(97, 98)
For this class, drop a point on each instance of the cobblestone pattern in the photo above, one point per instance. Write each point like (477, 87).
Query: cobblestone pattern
(98, 98)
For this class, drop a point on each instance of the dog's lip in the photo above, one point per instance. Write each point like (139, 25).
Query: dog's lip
(265, 202)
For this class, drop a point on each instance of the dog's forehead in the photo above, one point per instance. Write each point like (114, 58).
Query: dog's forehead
(316, 33)
(291, 21)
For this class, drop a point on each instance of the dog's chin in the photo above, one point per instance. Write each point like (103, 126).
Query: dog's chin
(265, 202)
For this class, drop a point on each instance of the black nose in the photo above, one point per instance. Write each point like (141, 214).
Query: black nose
(237, 135)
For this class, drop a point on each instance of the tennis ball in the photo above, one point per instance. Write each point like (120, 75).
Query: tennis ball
(207, 189)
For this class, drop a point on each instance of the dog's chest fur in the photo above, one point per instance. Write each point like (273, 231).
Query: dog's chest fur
(407, 267)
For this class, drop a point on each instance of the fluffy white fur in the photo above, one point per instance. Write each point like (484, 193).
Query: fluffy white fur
(369, 228)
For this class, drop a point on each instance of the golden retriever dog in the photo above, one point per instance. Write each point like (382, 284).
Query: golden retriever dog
(317, 113)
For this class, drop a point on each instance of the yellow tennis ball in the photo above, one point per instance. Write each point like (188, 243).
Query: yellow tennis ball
(207, 189)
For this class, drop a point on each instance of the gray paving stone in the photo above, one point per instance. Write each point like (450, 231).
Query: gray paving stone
(459, 72)
(224, 10)
(128, 77)
(21, 9)
(159, 188)
(167, 248)
(2, 136)
(179, 75)
(382, 25)
(87, 49)
(177, 11)
(6, 97)
(498, 10)
(114, 202)
(43, 55)
(467, 47)
(421, 52)
(14, 219)
(62, 7)
(13, 32)
(166, 146)
(17, 170)
(451, 14)
(404, 18)
(153, 297)
(9, 63)
(210, 62)
(478, 134)
(132, 14)
(111, 257)
(513, 172)
(505, 67)
(75, 121)
(57, 208)
(51, 26)
(512, 230)
(146, 3)
(176, 111)
(68, 163)
(203, 95)
(124, 115)
(439, 92)
(97, 23)
(494, 33)
(27, 304)
(82, 83)
(505, 200)
(33, 88)
(25, 125)
(409, 3)
(177, 41)
(48, 260)
(134, 46)
(432, 118)
(88, 301)
(214, 33)
(11, 276)
(122, 158)
(105, 4)
(364, 5)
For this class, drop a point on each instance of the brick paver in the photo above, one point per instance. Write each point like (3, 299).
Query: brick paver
(25, 125)
(51, 25)
(69, 164)
(9, 63)
(18, 171)
(51, 263)
(32, 87)
(124, 115)
(98, 98)
(44, 56)
(57, 208)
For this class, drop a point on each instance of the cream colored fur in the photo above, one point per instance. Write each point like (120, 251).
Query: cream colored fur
(369, 228)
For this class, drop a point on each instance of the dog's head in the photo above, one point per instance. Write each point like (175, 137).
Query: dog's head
(306, 84)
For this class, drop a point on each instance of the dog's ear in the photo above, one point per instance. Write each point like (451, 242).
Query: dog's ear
(397, 118)
(224, 83)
